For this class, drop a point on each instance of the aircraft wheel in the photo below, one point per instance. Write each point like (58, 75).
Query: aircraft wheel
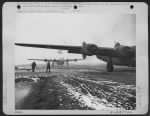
(110, 67)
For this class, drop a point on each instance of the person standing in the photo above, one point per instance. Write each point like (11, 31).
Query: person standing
(48, 67)
(33, 66)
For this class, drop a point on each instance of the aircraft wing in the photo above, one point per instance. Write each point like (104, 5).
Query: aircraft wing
(76, 49)
(87, 49)
(72, 59)
(45, 60)
(71, 49)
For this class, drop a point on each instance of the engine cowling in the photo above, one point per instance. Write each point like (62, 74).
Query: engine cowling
(88, 49)
(75, 60)
(45, 60)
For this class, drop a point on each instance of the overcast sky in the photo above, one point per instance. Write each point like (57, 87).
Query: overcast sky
(71, 29)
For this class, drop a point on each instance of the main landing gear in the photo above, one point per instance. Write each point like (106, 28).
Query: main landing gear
(110, 66)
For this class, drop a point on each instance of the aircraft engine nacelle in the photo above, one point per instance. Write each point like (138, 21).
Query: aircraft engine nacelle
(54, 60)
(75, 60)
(45, 60)
(88, 49)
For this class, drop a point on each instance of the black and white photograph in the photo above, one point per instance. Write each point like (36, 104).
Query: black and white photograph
(75, 60)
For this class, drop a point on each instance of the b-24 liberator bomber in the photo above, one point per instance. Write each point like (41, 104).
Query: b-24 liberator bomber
(118, 55)
(60, 61)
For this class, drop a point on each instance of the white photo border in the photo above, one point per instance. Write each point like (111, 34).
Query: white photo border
(8, 38)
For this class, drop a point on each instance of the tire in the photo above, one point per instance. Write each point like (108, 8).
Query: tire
(110, 67)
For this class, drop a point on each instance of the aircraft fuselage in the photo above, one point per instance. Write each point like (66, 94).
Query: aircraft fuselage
(60, 62)
(128, 61)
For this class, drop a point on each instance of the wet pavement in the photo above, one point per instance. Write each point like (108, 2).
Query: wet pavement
(78, 89)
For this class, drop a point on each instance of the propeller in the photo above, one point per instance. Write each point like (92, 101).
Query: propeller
(83, 47)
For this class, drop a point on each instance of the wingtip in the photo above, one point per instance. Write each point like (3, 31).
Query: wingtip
(16, 43)
(19, 44)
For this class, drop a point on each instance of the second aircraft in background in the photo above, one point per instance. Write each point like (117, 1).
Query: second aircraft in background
(60, 61)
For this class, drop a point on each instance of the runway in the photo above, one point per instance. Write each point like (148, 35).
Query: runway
(80, 88)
